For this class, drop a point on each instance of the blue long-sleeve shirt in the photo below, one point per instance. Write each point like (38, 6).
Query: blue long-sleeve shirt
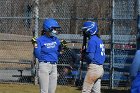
(135, 67)
(47, 49)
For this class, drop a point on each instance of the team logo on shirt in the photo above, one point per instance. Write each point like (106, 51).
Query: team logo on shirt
(50, 45)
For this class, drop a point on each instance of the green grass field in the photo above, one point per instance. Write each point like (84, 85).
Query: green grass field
(30, 88)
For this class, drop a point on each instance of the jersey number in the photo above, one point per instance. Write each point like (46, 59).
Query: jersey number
(102, 49)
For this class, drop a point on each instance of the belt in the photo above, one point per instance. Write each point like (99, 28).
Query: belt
(50, 62)
(95, 63)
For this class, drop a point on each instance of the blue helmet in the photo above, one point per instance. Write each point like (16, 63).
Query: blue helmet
(49, 24)
(90, 27)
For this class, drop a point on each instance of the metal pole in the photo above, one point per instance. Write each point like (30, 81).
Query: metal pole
(35, 34)
(112, 58)
(36, 16)
(112, 49)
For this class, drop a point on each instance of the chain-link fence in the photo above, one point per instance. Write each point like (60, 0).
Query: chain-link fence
(15, 35)
(123, 40)
(117, 27)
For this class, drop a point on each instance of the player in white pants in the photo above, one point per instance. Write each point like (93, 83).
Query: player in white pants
(47, 49)
(95, 55)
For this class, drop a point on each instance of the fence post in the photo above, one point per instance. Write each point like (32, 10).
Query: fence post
(35, 34)
(138, 22)
(112, 49)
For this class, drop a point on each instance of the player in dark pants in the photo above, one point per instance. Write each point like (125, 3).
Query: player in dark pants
(95, 54)
(47, 49)
(135, 72)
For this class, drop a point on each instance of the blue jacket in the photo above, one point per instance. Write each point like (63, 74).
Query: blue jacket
(48, 48)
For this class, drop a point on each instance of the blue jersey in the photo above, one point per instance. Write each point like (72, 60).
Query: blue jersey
(47, 49)
(135, 67)
(95, 50)
(135, 85)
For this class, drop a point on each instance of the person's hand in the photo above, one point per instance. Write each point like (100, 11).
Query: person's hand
(34, 40)
(64, 44)
(82, 54)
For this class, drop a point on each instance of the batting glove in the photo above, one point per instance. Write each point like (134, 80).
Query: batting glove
(64, 44)
(33, 40)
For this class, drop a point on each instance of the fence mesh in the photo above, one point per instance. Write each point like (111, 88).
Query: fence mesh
(124, 40)
(117, 27)
(15, 35)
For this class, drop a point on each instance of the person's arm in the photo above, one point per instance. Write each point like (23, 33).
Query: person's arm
(62, 47)
(90, 51)
(135, 65)
(37, 50)
(59, 47)
(90, 56)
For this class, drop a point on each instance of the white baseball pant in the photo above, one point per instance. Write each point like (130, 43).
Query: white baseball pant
(92, 82)
(47, 77)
